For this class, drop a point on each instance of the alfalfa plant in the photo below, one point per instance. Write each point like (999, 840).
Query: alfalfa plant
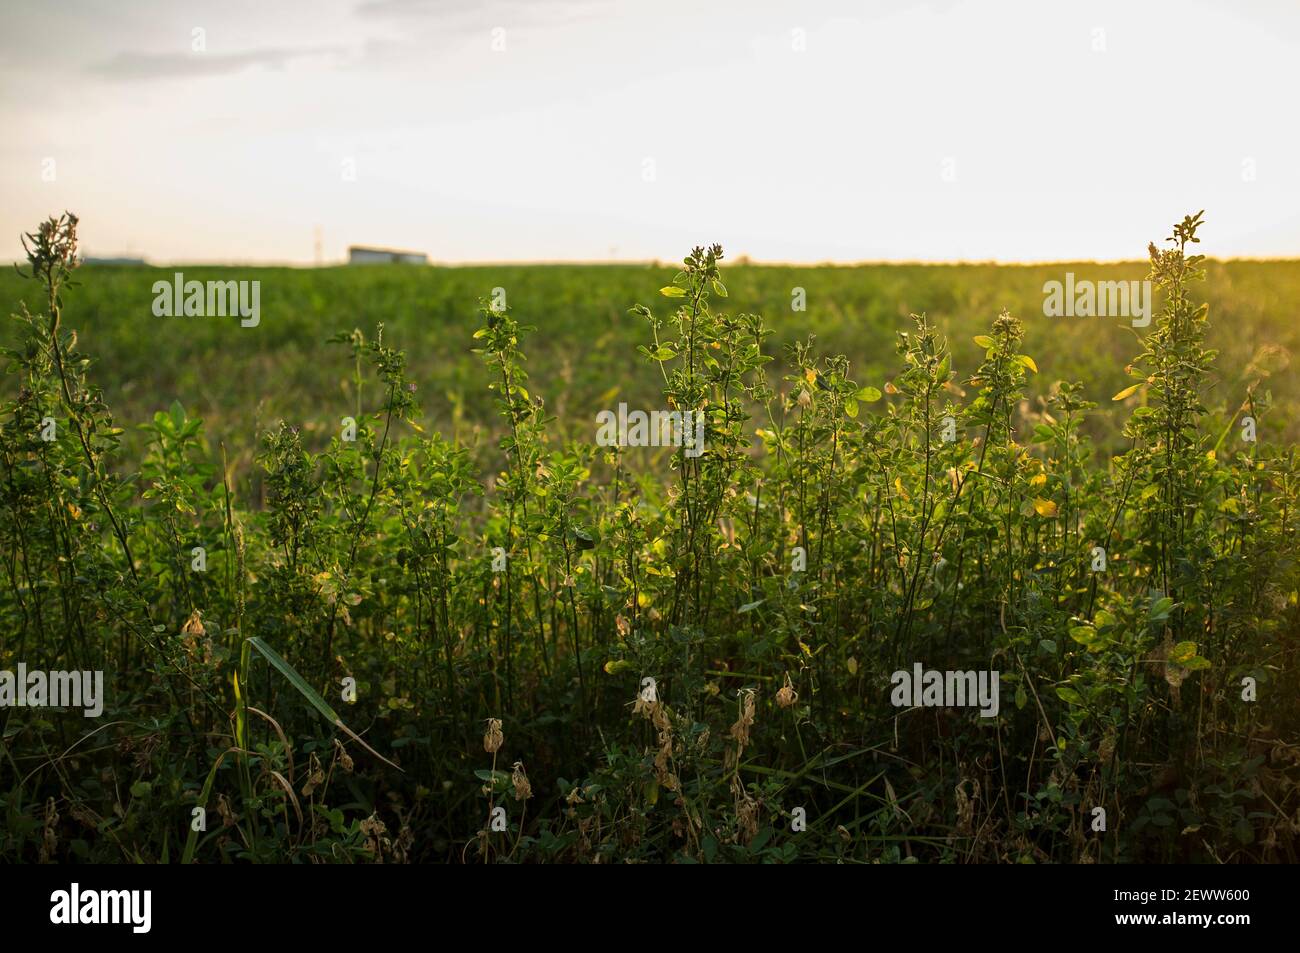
(522, 445)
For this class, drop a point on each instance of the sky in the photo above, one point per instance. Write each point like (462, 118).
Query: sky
(543, 130)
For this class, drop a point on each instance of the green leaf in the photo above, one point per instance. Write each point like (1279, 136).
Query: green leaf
(718, 288)
(499, 781)
(984, 341)
(1182, 652)
(1027, 361)
(1127, 391)
(851, 407)
(1083, 634)
(710, 846)
(1068, 695)
(868, 395)
(672, 291)
(309, 693)
(296, 680)
(192, 840)
(1021, 698)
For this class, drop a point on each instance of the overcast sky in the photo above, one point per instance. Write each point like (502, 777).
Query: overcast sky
(498, 130)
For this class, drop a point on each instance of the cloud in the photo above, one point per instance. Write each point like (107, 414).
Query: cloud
(545, 11)
(410, 8)
(146, 66)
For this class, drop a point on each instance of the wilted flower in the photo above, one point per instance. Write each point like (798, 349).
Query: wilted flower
(226, 814)
(523, 790)
(315, 777)
(493, 738)
(646, 699)
(193, 625)
(374, 831)
(50, 836)
(787, 696)
(740, 730)
(345, 759)
(747, 816)
(965, 806)
(193, 637)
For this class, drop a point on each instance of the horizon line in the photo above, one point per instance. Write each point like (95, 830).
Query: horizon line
(136, 261)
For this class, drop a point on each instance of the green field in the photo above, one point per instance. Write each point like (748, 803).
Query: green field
(583, 355)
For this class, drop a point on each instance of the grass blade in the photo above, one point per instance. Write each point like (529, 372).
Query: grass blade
(313, 697)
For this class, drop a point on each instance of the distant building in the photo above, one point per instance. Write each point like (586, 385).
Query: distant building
(112, 261)
(384, 256)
